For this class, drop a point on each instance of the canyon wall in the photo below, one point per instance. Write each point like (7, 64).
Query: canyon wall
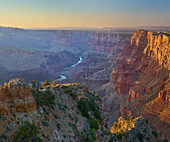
(141, 78)
(158, 48)
(104, 47)
(40, 54)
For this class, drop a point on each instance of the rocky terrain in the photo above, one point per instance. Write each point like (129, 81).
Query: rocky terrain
(16, 96)
(135, 129)
(61, 112)
(57, 115)
(137, 80)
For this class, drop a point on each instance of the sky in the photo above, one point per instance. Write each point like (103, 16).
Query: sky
(84, 13)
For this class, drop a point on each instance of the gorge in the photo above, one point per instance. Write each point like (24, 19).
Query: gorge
(128, 70)
(138, 83)
(62, 77)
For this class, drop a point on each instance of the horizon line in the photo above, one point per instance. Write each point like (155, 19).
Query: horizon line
(105, 27)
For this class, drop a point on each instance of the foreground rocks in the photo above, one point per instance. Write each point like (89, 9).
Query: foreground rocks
(57, 118)
(16, 96)
(62, 112)
(135, 129)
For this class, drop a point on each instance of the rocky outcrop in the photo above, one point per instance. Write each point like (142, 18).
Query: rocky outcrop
(164, 94)
(16, 96)
(158, 48)
(139, 77)
(135, 129)
(128, 63)
(62, 119)
(132, 64)
(125, 111)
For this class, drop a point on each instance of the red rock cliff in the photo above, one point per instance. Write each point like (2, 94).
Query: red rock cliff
(142, 76)
(158, 48)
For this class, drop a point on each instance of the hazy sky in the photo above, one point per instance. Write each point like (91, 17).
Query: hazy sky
(84, 13)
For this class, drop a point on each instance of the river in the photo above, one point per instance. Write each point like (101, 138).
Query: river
(62, 76)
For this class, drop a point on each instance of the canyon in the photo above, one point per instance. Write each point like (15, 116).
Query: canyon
(41, 54)
(137, 80)
(129, 70)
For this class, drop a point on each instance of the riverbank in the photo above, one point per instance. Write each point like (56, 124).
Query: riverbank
(62, 76)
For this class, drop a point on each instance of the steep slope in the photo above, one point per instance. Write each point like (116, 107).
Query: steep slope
(104, 47)
(140, 73)
(57, 114)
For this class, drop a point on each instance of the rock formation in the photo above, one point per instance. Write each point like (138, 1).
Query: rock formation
(16, 96)
(140, 79)
(135, 129)
(158, 48)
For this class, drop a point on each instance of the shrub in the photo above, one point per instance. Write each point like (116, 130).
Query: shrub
(4, 136)
(58, 125)
(89, 135)
(106, 126)
(69, 91)
(131, 118)
(47, 98)
(4, 118)
(84, 108)
(139, 136)
(28, 132)
(45, 123)
(74, 96)
(111, 139)
(46, 83)
(93, 123)
(154, 133)
(119, 136)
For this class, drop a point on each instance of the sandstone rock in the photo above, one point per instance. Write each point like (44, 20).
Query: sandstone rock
(135, 129)
(139, 73)
(158, 48)
(16, 96)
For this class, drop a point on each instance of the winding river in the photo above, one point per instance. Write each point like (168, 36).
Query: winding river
(62, 76)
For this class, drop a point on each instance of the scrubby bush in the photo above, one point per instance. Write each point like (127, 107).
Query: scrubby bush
(74, 96)
(119, 136)
(111, 139)
(154, 133)
(131, 118)
(84, 108)
(89, 135)
(47, 98)
(139, 136)
(28, 132)
(45, 123)
(4, 136)
(93, 123)
(46, 83)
